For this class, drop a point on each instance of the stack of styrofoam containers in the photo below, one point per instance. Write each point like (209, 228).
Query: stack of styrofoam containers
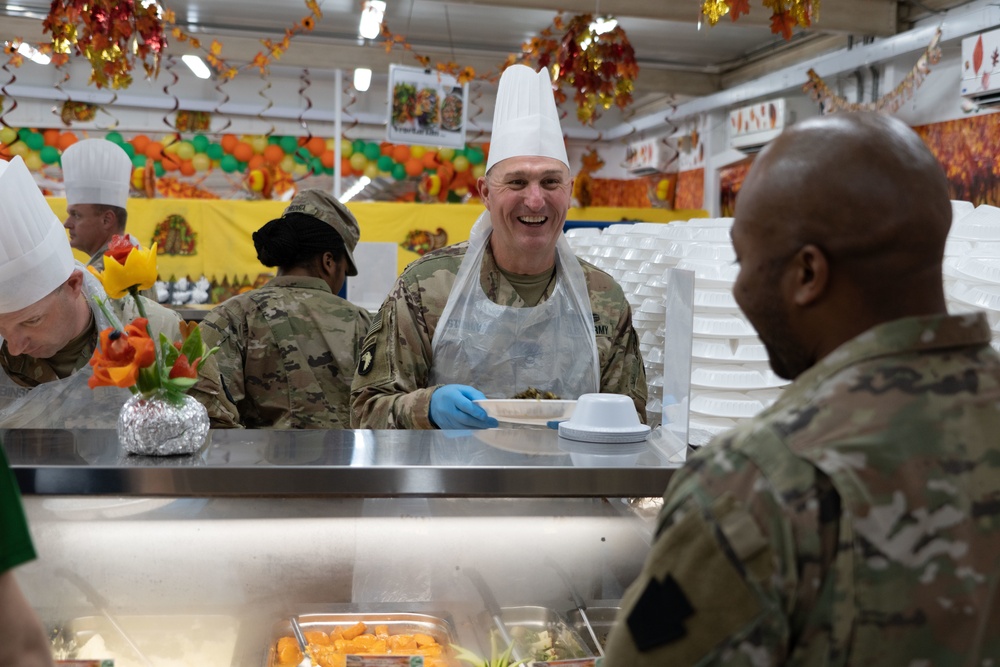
(972, 263)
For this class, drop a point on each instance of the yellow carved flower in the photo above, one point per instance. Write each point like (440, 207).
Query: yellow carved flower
(138, 269)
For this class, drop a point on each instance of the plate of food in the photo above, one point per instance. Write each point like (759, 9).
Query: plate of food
(534, 411)
(451, 113)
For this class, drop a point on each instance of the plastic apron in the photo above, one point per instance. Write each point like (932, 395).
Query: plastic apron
(69, 402)
(502, 350)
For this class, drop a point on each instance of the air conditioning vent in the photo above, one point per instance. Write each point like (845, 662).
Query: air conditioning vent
(981, 68)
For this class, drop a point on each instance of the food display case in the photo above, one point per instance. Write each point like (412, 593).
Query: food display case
(204, 559)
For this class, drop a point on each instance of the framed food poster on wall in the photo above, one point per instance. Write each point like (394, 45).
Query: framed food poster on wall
(426, 107)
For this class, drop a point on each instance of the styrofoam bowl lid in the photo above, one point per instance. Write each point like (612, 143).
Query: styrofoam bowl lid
(722, 326)
(960, 209)
(731, 404)
(604, 418)
(733, 376)
(982, 296)
(983, 224)
(986, 269)
(715, 299)
(711, 348)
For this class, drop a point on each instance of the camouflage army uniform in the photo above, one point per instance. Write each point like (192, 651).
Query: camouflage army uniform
(854, 522)
(287, 353)
(391, 386)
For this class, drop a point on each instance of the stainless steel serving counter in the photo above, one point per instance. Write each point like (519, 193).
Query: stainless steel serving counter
(498, 463)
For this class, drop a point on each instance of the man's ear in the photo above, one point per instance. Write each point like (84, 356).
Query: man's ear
(75, 282)
(812, 275)
(110, 221)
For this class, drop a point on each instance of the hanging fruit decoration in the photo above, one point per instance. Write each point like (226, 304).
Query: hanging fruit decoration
(785, 14)
(111, 34)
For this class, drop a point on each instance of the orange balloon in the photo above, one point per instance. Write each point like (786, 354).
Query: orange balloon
(345, 166)
(171, 162)
(430, 160)
(242, 151)
(327, 159)
(66, 139)
(414, 167)
(51, 137)
(139, 143)
(273, 154)
(154, 151)
(385, 148)
(187, 168)
(256, 162)
(229, 142)
(316, 146)
(5, 154)
(401, 153)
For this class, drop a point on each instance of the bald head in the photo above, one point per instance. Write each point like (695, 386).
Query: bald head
(845, 218)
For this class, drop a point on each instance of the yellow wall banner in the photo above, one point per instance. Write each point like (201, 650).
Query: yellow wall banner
(213, 237)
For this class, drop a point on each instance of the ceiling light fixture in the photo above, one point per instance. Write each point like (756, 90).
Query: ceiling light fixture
(372, 14)
(197, 66)
(33, 54)
(601, 25)
(358, 186)
(362, 79)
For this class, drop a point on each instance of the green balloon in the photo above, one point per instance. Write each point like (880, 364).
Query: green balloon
(459, 152)
(385, 163)
(273, 139)
(158, 169)
(139, 161)
(372, 151)
(129, 149)
(215, 151)
(241, 166)
(228, 163)
(49, 154)
(302, 156)
(358, 145)
(398, 172)
(200, 143)
(23, 134)
(35, 141)
(328, 171)
(115, 138)
(288, 144)
(316, 165)
(474, 155)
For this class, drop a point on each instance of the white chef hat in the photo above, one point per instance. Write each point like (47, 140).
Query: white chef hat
(525, 119)
(96, 171)
(35, 256)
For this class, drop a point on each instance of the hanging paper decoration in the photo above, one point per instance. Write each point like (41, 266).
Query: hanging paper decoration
(169, 68)
(192, 121)
(785, 14)
(15, 59)
(77, 112)
(888, 103)
(111, 34)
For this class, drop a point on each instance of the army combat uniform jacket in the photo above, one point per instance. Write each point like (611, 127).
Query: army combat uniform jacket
(391, 388)
(854, 522)
(287, 353)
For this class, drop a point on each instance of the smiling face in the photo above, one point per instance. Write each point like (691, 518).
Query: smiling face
(527, 198)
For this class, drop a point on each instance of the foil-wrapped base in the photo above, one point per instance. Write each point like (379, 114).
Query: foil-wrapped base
(153, 426)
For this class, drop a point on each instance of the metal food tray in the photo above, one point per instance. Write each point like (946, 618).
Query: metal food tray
(160, 639)
(602, 619)
(439, 626)
(538, 619)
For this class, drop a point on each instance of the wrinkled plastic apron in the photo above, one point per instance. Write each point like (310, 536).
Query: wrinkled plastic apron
(69, 402)
(502, 350)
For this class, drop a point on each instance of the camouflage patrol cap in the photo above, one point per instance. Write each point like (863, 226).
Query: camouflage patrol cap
(324, 207)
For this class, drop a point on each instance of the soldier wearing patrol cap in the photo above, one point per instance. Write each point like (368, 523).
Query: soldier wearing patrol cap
(856, 521)
(49, 318)
(511, 309)
(287, 351)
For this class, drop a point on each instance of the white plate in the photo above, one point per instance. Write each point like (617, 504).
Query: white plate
(527, 410)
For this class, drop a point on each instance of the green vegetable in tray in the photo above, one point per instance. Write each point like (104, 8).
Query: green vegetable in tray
(496, 659)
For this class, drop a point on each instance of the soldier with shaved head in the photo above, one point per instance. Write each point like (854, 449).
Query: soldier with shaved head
(857, 520)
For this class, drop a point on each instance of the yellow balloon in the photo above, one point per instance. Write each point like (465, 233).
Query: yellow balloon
(201, 162)
(138, 177)
(446, 154)
(168, 140)
(33, 161)
(287, 164)
(479, 170)
(417, 151)
(359, 162)
(172, 148)
(185, 150)
(8, 136)
(330, 144)
(19, 148)
(346, 147)
(300, 169)
(259, 143)
(371, 170)
(461, 163)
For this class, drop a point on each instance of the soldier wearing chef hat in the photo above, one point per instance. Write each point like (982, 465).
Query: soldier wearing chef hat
(49, 321)
(511, 309)
(97, 175)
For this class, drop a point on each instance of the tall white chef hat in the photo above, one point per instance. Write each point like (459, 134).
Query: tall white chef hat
(525, 119)
(35, 257)
(96, 171)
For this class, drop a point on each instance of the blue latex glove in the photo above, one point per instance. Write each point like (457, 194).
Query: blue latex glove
(452, 408)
